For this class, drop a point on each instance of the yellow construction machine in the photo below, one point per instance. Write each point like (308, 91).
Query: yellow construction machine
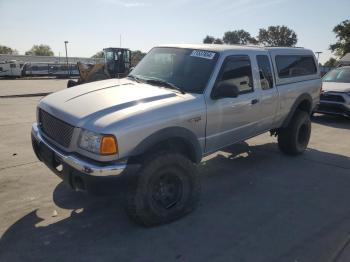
(117, 64)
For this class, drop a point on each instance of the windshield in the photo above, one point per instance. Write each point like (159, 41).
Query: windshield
(341, 75)
(187, 69)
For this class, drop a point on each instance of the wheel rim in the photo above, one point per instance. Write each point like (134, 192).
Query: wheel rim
(167, 191)
(303, 134)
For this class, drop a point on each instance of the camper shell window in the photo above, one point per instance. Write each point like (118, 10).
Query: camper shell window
(295, 65)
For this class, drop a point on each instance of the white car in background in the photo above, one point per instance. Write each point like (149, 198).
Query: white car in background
(335, 95)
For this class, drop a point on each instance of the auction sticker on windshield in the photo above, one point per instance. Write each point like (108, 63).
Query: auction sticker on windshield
(203, 54)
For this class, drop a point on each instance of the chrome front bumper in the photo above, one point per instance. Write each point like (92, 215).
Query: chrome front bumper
(88, 168)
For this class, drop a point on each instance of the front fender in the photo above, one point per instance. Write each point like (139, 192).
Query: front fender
(171, 133)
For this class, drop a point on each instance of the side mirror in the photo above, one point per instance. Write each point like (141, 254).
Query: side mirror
(225, 89)
(131, 68)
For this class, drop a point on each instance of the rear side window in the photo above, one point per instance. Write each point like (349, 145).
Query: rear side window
(295, 65)
(265, 72)
(238, 70)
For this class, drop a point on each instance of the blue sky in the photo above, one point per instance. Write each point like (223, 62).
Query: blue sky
(90, 26)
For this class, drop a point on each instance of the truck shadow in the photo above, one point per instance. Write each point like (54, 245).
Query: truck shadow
(247, 192)
(333, 121)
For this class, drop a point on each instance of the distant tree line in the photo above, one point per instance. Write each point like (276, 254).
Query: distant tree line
(38, 50)
(271, 36)
(7, 50)
(284, 36)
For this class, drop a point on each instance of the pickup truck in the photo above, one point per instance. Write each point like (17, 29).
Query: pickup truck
(179, 104)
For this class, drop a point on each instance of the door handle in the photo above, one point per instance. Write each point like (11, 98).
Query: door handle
(254, 101)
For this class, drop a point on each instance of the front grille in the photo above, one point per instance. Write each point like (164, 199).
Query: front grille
(332, 97)
(56, 129)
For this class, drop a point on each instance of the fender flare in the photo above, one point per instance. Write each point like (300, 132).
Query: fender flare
(303, 97)
(171, 133)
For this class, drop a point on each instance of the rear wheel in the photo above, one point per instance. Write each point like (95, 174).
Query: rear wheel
(293, 139)
(166, 188)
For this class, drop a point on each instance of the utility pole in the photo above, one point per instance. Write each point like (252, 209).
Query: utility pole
(68, 71)
(318, 55)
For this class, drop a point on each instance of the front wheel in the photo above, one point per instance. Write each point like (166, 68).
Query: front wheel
(166, 188)
(293, 139)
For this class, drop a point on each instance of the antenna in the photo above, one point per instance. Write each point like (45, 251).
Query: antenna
(120, 40)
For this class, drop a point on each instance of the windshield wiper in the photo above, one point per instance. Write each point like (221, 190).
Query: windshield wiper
(164, 83)
(137, 79)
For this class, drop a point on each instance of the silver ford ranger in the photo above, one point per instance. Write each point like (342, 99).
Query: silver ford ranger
(179, 104)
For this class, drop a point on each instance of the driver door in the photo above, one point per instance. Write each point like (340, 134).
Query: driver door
(230, 120)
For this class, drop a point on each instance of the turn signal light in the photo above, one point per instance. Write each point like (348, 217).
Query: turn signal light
(109, 145)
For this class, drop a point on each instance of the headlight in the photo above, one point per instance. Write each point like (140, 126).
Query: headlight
(98, 143)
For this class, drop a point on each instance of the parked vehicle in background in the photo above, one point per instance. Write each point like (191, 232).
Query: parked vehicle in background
(179, 104)
(61, 70)
(335, 96)
(33, 69)
(325, 69)
(11, 69)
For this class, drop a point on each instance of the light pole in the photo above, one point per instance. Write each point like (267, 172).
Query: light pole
(68, 71)
(318, 55)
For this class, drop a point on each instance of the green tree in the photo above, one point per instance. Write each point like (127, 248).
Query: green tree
(136, 57)
(277, 36)
(209, 39)
(40, 50)
(331, 62)
(99, 54)
(238, 37)
(342, 46)
(5, 50)
(218, 41)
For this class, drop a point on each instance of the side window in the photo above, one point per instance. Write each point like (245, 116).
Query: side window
(265, 72)
(238, 70)
(13, 65)
(295, 65)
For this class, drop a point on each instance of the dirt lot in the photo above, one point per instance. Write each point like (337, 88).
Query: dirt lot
(257, 204)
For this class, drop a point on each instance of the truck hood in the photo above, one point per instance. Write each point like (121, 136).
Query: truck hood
(335, 87)
(91, 101)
